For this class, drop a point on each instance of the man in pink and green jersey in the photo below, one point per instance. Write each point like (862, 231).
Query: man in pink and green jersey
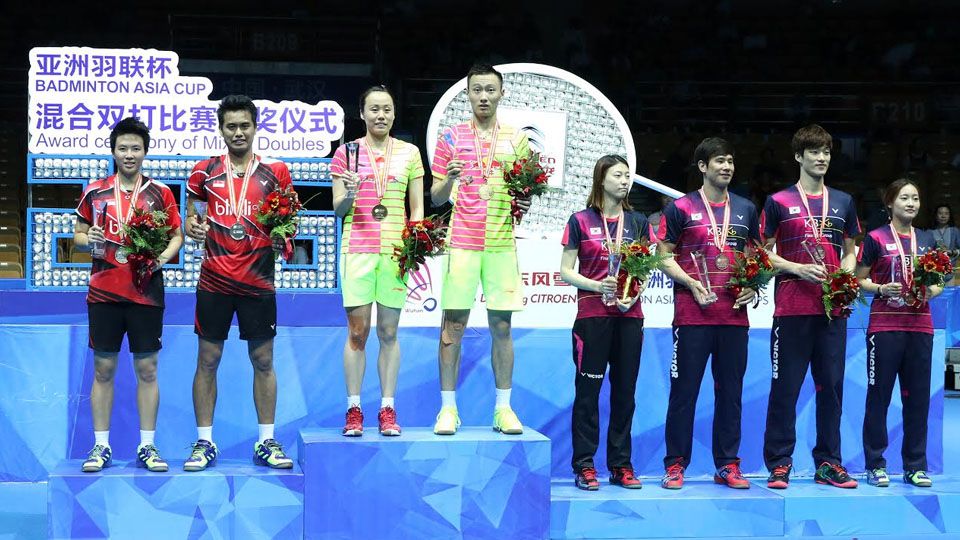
(468, 170)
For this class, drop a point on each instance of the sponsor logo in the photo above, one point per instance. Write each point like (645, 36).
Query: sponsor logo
(674, 367)
(835, 210)
(264, 183)
(739, 217)
(794, 210)
(775, 356)
(150, 203)
(591, 375)
(223, 208)
(872, 361)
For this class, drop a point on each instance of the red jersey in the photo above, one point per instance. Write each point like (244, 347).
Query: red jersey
(111, 281)
(242, 267)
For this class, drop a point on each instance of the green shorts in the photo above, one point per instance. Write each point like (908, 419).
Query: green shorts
(371, 277)
(499, 272)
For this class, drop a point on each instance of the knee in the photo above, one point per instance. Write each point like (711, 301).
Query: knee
(262, 362)
(104, 370)
(500, 329)
(452, 333)
(147, 371)
(208, 363)
(387, 334)
(358, 336)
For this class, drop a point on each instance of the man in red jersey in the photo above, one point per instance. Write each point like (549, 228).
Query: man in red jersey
(236, 277)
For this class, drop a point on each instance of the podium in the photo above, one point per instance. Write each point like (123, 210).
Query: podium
(234, 499)
(475, 484)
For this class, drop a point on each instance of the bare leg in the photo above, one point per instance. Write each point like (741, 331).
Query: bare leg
(101, 393)
(148, 391)
(205, 380)
(388, 363)
(451, 336)
(501, 354)
(264, 379)
(354, 350)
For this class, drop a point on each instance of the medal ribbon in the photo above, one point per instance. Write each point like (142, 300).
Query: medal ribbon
(719, 235)
(817, 231)
(134, 195)
(228, 170)
(907, 275)
(381, 176)
(611, 247)
(485, 167)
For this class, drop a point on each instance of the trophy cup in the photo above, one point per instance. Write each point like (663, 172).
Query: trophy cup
(199, 252)
(613, 268)
(896, 276)
(97, 248)
(816, 252)
(703, 275)
(353, 165)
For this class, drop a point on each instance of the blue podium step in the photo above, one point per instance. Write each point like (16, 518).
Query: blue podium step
(232, 500)
(23, 510)
(475, 484)
(701, 508)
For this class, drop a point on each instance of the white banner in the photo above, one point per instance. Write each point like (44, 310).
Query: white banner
(548, 301)
(77, 95)
(547, 133)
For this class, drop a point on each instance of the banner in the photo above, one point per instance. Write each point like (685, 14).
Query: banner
(547, 133)
(549, 302)
(78, 94)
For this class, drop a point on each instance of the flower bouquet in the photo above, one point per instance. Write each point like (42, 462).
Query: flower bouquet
(146, 235)
(752, 271)
(526, 179)
(279, 212)
(419, 240)
(929, 269)
(840, 291)
(638, 261)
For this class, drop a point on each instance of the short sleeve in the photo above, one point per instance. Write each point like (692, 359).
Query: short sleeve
(415, 165)
(852, 223)
(442, 154)
(85, 208)
(338, 164)
(571, 233)
(671, 224)
(171, 208)
(197, 181)
(753, 229)
(770, 218)
(869, 252)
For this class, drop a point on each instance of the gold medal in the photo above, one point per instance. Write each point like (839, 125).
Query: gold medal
(486, 192)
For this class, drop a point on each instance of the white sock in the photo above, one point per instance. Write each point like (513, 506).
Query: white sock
(266, 431)
(102, 438)
(353, 401)
(146, 437)
(503, 398)
(448, 398)
(205, 433)
(386, 402)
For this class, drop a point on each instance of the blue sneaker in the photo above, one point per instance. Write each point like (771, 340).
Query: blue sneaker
(269, 453)
(204, 455)
(917, 478)
(149, 458)
(878, 477)
(98, 459)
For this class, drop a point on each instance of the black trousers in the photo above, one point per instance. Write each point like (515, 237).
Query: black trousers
(692, 347)
(797, 342)
(597, 342)
(891, 355)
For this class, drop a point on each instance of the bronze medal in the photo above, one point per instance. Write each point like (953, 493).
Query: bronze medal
(121, 255)
(722, 261)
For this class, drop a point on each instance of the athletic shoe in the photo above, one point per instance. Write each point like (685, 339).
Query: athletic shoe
(204, 455)
(99, 458)
(506, 421)
(447, 421)
(834, 475)
(673, 478)
(586, 479)
(730, 475)
(388, 422)
(354, 424)
(779, 477)
(878, 477)
(269, 453)
(917, 478)
(149, 458)
(624, 477)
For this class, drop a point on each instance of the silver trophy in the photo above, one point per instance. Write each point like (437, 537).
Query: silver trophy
(896, 276)
(703, 274)
(816, 252)
(98, 248)
(200, 251)
(613, 268)
(353, 165)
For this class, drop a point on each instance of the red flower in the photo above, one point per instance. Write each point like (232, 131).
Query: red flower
(284, 201)
(284, 211)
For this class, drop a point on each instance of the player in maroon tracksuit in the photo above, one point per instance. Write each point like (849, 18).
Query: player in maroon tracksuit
(236, 276)
(115, 306)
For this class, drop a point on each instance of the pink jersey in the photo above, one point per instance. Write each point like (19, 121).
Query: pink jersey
(361, 232)
(685, 224)
(584, 231)
(477, 223)
(785, 219)
(879, 252)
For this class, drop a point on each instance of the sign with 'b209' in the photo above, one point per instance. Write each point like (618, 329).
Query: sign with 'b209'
(78, 94)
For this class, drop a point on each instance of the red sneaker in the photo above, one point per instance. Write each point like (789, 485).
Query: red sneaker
(779, 477)
(354, 425)
(730, 475)
(673, 478)
(587, 479)
(623, 477)
(388, 422)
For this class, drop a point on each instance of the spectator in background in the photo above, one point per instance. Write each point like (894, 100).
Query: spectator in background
(655, 217)
(945, 233)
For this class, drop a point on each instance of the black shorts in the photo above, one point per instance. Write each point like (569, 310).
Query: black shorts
(256, 316)
(109, 321)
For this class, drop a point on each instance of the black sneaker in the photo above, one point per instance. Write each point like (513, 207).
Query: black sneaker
(834, 475)
(587, 479)
(779, 477)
